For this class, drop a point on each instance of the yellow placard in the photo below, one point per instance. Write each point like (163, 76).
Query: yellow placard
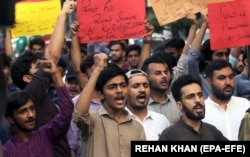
(35, 18)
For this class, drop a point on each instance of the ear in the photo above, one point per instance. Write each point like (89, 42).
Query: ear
(124, 54)
(10, 120)
(101, 95)
(245, 61)
(208, 80)
(179, 105)
(27, 78)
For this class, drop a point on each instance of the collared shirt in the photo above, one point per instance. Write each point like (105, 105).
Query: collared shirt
(227, 121)
(154, 123)
(42, 141)
(103, 136)
(168, 108)
(180, 131)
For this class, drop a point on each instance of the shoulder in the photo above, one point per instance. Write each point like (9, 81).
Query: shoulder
(175, 126)
(158, 116)
(208, 126)
(240, 101)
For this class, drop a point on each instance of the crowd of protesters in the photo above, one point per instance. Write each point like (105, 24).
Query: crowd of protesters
(61, 100)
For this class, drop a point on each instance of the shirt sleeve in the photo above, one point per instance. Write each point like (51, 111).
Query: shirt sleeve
(61, 122)
(82, 121)
(193, 62)
(41, 81)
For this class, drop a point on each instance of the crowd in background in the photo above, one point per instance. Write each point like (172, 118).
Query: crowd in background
(62, 100)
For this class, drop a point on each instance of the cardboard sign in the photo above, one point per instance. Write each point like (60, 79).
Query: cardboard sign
(167, 11)
(36, 18)
(106, 20)
(229, 24)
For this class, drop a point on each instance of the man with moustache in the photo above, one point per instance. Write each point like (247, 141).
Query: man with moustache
(20, 112)
(160, 74)
(109, 131)
(187, 92)
(224, 110)
(138, 95)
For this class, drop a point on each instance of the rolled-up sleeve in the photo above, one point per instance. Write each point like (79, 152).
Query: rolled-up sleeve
(82, 121)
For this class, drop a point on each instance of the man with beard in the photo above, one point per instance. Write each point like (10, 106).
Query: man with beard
(138, 96)
(21, 114)
(187, 92)
(224, 110)
(160, 74)
(117, 54)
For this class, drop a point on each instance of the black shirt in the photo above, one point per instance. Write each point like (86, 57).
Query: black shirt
(180, 131)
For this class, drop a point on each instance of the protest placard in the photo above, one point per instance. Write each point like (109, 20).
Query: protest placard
(106, 20)
(167, 11)
(229, 24)
(35, 18)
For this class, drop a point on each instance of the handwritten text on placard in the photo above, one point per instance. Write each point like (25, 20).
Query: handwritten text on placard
(168, 11)
(35, 18)
(229, 24)
(105, 20)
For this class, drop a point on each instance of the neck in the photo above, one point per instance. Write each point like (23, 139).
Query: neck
(158, 96)
(117, 114)
(119, 63)
(23, 135)
(194, 124)
(221, 103)
(141, 114)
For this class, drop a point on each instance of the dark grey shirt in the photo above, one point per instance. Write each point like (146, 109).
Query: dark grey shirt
(180, 131)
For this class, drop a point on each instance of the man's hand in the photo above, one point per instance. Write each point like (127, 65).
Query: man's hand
(149, 28)
(68, 7)
(49, 66)
(74, 28)
(101, 61)
(204, 16)
(192, 18)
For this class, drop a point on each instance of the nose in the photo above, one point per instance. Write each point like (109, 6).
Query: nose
(228, 80)
(118, 89)
(141, 88)
(198, 98)
(30, 113)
